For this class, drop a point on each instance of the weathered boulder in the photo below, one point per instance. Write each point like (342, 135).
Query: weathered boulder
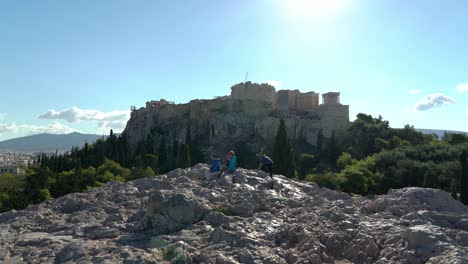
(169, 212)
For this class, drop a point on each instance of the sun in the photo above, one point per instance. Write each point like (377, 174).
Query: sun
(315, 8)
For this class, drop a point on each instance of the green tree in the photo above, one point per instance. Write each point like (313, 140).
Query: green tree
(147, 160)
(183, 160)
(319, 143)
(283, 155)
(333, 151)
(112, 171)
(306, 164)
(328, 180)
(149, 145)
(37, 181)
(464, 177)
(174, 152)
(344, 160)
(188, 136)
(352, 180)
(163, 161)
(139, 172)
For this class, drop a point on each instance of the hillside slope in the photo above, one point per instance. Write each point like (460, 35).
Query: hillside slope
(245, 218)
(47, 142)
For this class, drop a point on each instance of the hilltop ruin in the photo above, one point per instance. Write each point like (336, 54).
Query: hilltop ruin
(250, 115)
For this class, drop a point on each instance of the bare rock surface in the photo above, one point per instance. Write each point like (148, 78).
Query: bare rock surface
(241, 218)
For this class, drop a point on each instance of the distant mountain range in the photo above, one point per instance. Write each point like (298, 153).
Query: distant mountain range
(47, 142)
(439, 132)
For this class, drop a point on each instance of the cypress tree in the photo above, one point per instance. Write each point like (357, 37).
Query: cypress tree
(163, 162)
(149, 145)
(319, 144)
(174, 152)
(464, 177)
(196, 154)
(333, 151)
(77, 180)
(188, 136)
(283, 156)
(184, 156)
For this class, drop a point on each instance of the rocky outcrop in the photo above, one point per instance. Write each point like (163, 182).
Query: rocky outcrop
(240, 218)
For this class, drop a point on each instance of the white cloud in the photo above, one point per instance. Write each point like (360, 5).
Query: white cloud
(414, 91)
(106, 126)
(76, 114)
(462, 87)
(8, 128)
(274, 83)
(433, 100)
(105, 121)
(53, 128)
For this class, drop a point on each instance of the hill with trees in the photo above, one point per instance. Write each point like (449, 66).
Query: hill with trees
(368, 158)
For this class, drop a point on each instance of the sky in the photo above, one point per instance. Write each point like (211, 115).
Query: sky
(79, 65)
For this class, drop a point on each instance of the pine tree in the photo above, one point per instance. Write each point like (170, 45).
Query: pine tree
(184, 156)
(283, 156)
(464, 177)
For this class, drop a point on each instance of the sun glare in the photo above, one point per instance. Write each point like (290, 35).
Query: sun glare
(315, 8)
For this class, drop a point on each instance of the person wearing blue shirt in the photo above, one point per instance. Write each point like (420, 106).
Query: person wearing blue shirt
(215, 167)
(215, 164)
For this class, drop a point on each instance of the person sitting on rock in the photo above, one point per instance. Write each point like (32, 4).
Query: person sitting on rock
(266, 165)
(232, 162)
(215, 167)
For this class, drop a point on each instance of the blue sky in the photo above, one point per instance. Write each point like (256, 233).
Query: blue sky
(79, 65)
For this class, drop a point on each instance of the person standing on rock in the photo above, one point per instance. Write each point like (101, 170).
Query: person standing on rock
(266, 165)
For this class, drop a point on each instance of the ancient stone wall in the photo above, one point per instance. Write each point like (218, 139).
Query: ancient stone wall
(331, 98)
(253, 91)
(287, 100)
(307, 101)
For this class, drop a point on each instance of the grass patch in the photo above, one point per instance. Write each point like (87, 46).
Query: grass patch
(169, 252)
(224, 210)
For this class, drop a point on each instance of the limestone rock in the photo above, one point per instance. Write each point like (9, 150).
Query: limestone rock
(181, 218)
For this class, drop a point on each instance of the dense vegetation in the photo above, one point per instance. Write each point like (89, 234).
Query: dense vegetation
(369, 158)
